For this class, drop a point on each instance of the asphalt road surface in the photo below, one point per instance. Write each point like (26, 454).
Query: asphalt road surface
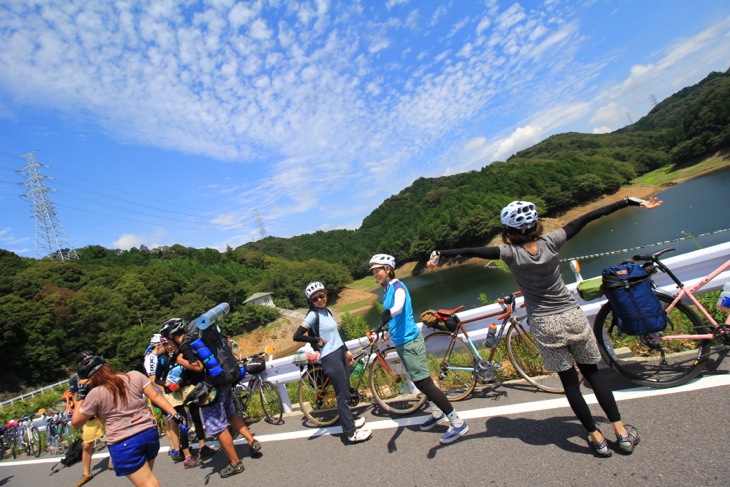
(517, 437)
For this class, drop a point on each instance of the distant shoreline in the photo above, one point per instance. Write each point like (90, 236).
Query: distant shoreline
(638, 189)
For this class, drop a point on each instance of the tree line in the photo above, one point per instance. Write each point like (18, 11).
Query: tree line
(112, 301)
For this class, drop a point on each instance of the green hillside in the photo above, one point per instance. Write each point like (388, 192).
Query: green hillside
(558, 173)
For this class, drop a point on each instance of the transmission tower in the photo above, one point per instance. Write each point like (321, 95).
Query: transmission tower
(259, 223)
(49, 234)
(653, 100)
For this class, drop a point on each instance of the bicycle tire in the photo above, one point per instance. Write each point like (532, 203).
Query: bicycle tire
(14, 443)
(671, 363)
(34, 441)
(386, 383)
(271, 402)
(317, 398)
(525, 358)
(241, 400)
(441, 356)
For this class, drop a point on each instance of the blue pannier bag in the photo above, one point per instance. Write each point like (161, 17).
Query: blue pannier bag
(630, 291)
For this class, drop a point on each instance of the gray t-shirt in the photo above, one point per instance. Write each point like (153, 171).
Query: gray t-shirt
(539, 275)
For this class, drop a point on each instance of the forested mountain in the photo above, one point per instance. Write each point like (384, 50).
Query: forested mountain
(112, 301)
(557, 174)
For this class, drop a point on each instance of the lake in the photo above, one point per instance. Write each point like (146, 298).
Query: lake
(695, 214)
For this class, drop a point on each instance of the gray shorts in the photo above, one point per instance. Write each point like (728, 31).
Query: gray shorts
(413, 355)
(563, 337)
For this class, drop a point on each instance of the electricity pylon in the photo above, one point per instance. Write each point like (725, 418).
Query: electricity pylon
(49, 234)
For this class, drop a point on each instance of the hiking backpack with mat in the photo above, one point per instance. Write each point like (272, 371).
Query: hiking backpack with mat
(211, 347)
(630, 291)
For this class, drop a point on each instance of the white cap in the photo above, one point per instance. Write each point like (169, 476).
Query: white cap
(155, 339)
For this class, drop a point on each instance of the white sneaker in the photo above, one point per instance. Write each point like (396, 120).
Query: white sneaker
(359, 423)
(360, 435)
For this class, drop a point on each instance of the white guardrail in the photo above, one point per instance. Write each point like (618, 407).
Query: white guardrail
(689, 268)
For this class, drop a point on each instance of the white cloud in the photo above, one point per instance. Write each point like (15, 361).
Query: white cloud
(127, 241)
(521, 138)
(609, 116)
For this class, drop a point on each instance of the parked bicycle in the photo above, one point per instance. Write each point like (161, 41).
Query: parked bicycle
(676, 355)
(27, 438)
(456, 363)
(258, 394)
(7, 439)
(58, 434)
(388, 383)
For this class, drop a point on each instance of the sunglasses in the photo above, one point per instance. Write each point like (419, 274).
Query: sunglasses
(319, 297)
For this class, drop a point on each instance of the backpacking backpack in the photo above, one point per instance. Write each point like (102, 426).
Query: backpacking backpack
(212, 348)
(630, 291)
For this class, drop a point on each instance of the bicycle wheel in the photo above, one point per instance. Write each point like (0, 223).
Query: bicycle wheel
(451, 364)
(240, 401)
(652, 360)
(390, 386)
(271, 402)
(34, 441)
(526, 360)
(317, 398)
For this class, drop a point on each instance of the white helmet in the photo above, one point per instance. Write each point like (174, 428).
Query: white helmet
(519, 214)
(312, 288)
(382, 260)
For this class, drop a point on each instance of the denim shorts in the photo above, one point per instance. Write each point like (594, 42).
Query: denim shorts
(216, 416)
(130, 454)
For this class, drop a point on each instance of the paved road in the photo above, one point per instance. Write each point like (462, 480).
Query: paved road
(518, 437)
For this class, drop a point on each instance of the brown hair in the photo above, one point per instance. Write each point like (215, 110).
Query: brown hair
(516, 237)
(111, 380)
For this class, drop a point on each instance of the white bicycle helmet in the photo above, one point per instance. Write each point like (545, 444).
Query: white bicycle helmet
(312, 288)
(382, 260)
(519, 214)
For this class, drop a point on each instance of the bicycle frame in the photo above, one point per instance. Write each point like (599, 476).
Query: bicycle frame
(689, 293)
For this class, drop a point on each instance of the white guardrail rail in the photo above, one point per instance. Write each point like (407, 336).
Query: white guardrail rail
(689, 268)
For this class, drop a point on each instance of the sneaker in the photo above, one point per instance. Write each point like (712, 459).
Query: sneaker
(176, 456)
(254, 447)
(83, 480)
(627, 442)
(207, 451)
(600, 448)
(192, 461)
(432, 421)
(454, 433)
(359, 423)
(360, 435)
(231, 470)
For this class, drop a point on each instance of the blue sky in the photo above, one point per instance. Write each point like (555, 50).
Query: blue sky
(207, 123)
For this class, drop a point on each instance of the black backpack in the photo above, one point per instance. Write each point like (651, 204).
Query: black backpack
(217, 344)
(73, 455)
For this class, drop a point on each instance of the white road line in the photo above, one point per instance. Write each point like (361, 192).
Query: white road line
(560, 402)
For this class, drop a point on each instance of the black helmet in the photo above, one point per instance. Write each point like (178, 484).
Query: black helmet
(172, 326)
(89, 366)
(82, 355)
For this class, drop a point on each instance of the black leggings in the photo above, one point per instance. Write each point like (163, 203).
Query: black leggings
(434, 394)
(184, 443)
(197, 421)
(577, 402)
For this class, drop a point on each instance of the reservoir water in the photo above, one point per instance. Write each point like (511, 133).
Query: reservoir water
(695, 214)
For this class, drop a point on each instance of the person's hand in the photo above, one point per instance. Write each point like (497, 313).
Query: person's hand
(653, 202)
(433, 260)
(83, 389)
(178, 418)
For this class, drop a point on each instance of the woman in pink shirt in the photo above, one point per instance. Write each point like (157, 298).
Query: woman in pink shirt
(131, 430)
